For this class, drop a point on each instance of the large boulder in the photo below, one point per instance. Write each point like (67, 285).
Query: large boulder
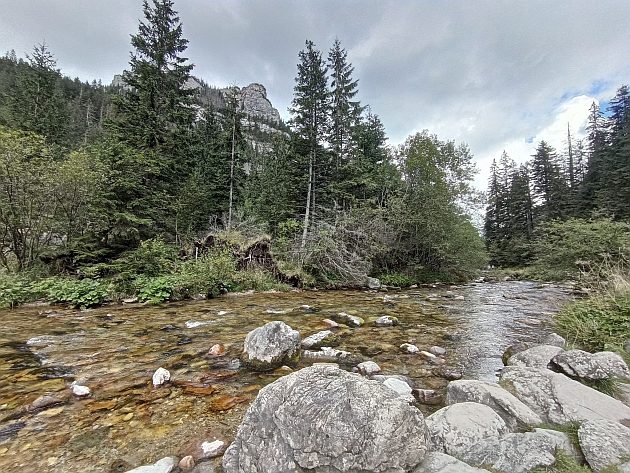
(515, 414)
(322, 419)
(604, 443)
(517, 452)
(591, 366)
(536, 357)
(271, 346)
(436, 462)
(559, 399)
(453, 429)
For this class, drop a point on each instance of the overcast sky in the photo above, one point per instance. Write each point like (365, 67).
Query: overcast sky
(494, 74)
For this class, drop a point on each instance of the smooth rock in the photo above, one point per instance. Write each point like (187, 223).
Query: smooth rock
(553, 339)
(349, 320)
(271, 346)
(515, 414)
(514, 349)
(514, 452)
(79, 390)
(536, 357)
(558, 399)
(409, 348)
(320, 339)
(454, 429)
(187, 463)
(437, 351)
(354, 425)
(328, 354)
(373, 283)
(161, 376)
(212, 449)
(436, 462)
(604, 443)
(386, 321)
(592, 366)
(165, 465)
(330, 323)
(368, 368)
(398, 386)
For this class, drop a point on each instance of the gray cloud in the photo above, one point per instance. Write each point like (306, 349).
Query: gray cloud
(490, 73)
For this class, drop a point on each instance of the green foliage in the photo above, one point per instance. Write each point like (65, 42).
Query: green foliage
(565, 463)
(152, 258)
(599, 323)
(14, 290)
(395, 279)
(561, 249)
(155, 290)
(81, 293)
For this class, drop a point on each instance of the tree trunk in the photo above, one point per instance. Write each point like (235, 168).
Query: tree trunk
(232, 172)
(307, 213)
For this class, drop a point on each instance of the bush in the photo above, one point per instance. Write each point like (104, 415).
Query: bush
(155, 290)
(565, 249)
(81, 293)
(14, 290)
(395, 279)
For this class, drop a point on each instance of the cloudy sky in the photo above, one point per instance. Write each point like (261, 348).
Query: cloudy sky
(494, 74)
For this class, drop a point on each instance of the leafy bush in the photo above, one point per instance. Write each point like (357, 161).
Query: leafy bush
(563, 249)
(14, 290)
(155, 290)
(81, 293)
(395, 279)
(152, 258)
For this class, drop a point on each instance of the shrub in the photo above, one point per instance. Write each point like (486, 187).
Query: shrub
(152, 258)
(155, 290)
(14, 290)
(81, 293)
(395, 279)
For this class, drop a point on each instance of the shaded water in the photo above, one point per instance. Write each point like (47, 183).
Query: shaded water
(115, 350)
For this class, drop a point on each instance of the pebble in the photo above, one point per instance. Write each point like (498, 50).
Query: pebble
(409, 348)
(368, 368)
(330, 323)
(160, 377)
(213, 449)
(386, 321)
(80, 391)
(438, 351)
(187, 463)
(217, 350)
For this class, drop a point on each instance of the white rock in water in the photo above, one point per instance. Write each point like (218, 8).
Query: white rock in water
(161, 376)
(195, 324)
(368, 368)
(165, 465)
(386, 321)
(409, 348)
(349, 320)
(319, 339)
(79, 390)
(271, 346)
(222, 312)
(438, 351)
(277, 311)
(213, 449)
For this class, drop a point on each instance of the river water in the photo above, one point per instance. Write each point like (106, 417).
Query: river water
(115, 350)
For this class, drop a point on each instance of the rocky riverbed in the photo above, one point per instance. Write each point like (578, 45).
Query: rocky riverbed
(47, 423)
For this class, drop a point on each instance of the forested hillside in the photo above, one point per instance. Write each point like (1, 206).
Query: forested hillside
(161, 190)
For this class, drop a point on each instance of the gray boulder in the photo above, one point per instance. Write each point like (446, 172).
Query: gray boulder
(373, 283)
(368, 368)
(604, 443)
(325, 338)
(349, 320)
(592, 366)
(536, 357)
(624, 467)
(455, 428)
(559, 399)
(554, 339)
(514, 349)
(271, 346)
(515, 452)
(515, 414)
(436, 462)
(322, 419)
(386, 321)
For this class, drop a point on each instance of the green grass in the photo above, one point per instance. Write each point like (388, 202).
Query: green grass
(564, 464)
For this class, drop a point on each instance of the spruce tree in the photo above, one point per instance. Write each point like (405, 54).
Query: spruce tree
(548, 181)
(309, 121)
(615, 193)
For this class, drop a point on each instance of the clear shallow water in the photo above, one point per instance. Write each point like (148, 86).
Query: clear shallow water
(115, 350)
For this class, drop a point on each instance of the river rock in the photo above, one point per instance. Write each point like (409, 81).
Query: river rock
(455, 428)
(559, 399)
(330, 323)
(515, 452)
(271, 346)
(187, 463)
(328, 354)
(429, 397)
(353, 426)
(604, 443)
(373, 283)
(325, 338)
(436, 462)
(450, 374)
(368, 368)
(553, 339)
(349, 320)
(437, 351)
(398, 386)
(160, 377)
(409, 348)
(515, 414)
(536, 357)
(165, 465)
(514, 349)
(386, 321)
(592, 366)
(79, 390)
